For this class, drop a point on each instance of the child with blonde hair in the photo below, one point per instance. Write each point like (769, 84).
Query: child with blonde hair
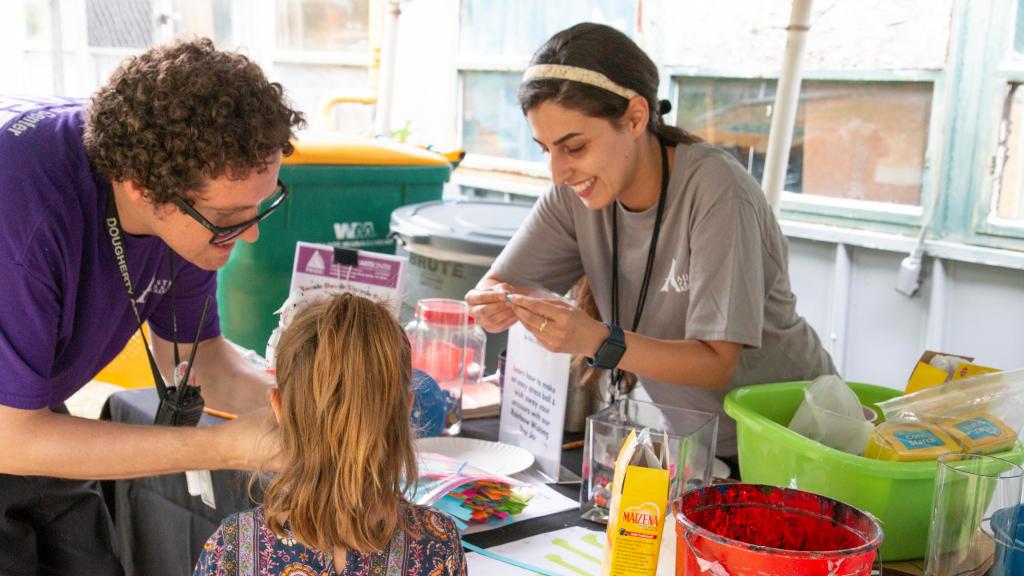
(337, 506)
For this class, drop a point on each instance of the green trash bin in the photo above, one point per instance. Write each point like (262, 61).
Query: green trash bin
(341, 192)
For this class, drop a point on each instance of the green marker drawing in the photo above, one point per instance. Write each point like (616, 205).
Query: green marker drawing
(592, 540)
(563, 543)
(555, 559)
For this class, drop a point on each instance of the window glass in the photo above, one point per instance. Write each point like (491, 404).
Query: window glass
(206, 18)
(37, 21)
(1018, 29)
(120, 23)
(308, 86)
(853, 140)
(519, 27)
(1008, 199)
(323, 25)
(492, 122)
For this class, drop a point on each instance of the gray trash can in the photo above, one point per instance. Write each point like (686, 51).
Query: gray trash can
(451, 245)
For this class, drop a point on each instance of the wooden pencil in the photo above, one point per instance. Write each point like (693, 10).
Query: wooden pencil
(219, 414)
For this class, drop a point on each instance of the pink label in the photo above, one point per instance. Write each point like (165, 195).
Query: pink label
(370, 270)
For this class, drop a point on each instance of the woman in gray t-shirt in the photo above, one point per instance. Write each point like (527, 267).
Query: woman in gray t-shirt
(685, 258)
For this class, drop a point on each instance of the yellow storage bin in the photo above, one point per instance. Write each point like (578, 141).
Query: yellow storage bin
(130, 368)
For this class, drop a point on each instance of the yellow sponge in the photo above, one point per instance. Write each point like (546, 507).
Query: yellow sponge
(907, 442)
(979, 432)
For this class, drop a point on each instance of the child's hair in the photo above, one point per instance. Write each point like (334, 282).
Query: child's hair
(343, 370)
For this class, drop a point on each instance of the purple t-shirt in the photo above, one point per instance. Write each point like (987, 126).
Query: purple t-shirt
(64, 312)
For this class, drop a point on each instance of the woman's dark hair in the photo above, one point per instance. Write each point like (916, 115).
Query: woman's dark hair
(177, 115)
(606, 50)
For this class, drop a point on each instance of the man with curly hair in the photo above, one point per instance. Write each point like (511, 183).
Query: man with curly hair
(183, 146)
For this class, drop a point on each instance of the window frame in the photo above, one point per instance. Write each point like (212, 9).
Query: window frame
(806, 207)
(964, 121)
(980, 224)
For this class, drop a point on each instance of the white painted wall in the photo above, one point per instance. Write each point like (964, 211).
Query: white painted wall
(847, 35)
(980, 314)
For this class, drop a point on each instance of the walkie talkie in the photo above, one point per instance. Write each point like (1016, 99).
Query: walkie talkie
(181, 404)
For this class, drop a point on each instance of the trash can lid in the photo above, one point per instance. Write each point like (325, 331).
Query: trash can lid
(342, 150)
(472, 231)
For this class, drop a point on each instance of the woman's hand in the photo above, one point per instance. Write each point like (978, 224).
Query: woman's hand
(489, 307)
(560, 326)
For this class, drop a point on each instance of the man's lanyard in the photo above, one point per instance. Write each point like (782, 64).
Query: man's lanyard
(116, 233)
(616, 387)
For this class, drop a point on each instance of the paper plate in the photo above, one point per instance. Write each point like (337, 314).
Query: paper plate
(493, 457)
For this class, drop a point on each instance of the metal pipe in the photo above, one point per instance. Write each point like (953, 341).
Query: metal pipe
(787, 96)
(386, 83)
(840, 313)
(935, 333)
(57, 48)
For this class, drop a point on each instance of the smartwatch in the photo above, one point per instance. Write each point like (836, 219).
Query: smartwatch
(611, 351)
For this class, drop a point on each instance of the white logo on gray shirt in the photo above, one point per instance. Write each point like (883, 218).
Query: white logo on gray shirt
(678, 282)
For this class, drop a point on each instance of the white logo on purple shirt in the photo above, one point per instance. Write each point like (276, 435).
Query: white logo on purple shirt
(159, 287)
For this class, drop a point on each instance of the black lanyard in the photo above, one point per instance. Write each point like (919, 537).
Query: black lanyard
(642, 298)
(116, 233)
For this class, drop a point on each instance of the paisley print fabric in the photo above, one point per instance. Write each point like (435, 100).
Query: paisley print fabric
(244, 546)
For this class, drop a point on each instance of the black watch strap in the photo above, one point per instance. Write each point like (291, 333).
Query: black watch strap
(611, 351)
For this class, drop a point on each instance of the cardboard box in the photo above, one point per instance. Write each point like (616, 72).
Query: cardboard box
(638, 508)
(925, 375)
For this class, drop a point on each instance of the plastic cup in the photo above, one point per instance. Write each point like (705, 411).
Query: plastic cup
(691, 438)
(969, 490)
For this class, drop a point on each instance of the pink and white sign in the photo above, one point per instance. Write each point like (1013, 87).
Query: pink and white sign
(376, 276)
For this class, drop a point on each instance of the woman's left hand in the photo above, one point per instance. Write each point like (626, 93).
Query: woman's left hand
(560, 326)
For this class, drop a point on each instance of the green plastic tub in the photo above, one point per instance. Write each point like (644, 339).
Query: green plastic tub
(899, 494)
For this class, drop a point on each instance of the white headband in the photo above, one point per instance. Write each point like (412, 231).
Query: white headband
(576, 74)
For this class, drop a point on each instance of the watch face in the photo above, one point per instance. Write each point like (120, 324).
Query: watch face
(611, 351)
(614, 354)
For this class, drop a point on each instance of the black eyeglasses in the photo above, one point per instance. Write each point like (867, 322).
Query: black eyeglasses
(225, 234)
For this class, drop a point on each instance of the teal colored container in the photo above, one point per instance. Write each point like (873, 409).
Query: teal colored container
(341, 192)
(899, 494)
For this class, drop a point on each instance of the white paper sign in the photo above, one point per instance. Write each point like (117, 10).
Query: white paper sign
(575, 551)
(533, 399)
(379, 277)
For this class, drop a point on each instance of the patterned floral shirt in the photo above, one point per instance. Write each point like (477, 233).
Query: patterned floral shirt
(244, 546)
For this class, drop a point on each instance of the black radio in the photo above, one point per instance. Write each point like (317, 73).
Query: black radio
(182, 406)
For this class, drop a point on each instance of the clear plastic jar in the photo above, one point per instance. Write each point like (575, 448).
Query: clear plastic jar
(476, 351)
(439, 335)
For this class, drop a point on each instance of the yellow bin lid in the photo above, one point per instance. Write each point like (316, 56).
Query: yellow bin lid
(360, 151)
